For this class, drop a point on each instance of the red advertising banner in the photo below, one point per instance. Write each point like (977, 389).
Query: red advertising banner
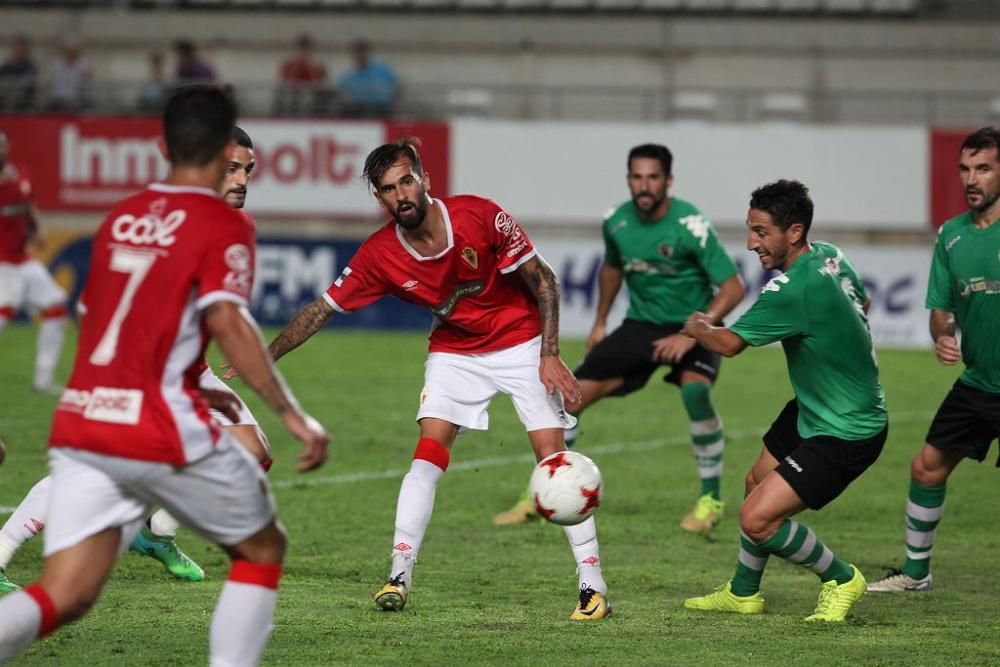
(946, 190)
(306, 168)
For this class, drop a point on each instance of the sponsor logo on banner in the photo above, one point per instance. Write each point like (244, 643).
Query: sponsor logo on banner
(303, 168)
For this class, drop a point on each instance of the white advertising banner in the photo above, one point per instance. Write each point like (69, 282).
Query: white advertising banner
(572, 172)
(313, 169)
(896, 278)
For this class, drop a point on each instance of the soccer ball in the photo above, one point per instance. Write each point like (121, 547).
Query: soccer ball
(566, 488)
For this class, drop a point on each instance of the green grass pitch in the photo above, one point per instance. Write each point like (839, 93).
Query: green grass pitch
(485, 595)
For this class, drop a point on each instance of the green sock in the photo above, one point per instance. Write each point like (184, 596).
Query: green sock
(924, 508)
(798, 544)
(707, 439)
(749, 567)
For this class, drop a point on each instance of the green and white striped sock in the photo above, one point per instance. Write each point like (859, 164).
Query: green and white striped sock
(924, 508)
(708, 444)
(749, 568)
(798, 544)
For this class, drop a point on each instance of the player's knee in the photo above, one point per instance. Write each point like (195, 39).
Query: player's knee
(757, 525)
(925, 473)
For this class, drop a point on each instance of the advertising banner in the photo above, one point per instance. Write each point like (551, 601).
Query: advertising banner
(947, 194)
(305, 168)
(896, 279)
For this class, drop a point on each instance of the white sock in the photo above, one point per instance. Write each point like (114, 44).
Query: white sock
(242, 624)
(20, 621)
(3, 323)
(162, 524)
(50, 341)
(583, 540)
(27, 520)
(413, 513)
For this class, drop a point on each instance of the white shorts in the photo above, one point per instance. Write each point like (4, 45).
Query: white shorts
(458, 388)
(209, 380)
(223, 496)
(29, 285)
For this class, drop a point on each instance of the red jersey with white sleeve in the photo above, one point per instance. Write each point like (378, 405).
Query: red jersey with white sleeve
(159, 259)
(478, 303)
(248, 220)
(16, 203)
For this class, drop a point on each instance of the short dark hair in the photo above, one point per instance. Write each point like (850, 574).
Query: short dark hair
(654, 152)
(382, 158)
(241, 138)
(983, 138)
(198, 123)
(787, 202)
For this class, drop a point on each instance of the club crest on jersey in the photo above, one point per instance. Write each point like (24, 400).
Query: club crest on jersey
(665, 250)
(470, 257)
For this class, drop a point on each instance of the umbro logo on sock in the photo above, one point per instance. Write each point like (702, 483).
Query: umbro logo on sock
(402, 546)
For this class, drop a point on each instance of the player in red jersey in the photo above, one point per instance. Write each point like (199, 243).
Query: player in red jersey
(157, 538)
(496, 330)
(25, 282)
(171, 269)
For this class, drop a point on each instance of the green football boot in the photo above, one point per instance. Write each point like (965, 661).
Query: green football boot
(165, 550)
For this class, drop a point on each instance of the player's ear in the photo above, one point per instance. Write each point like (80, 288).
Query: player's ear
(161, 143)
(796, 232)
(670, 181)
(426, 180)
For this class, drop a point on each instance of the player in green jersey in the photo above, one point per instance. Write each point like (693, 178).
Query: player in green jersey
(668, 254)
(963, 293)
(836, 425)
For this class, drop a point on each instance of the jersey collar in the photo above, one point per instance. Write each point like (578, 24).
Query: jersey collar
(182, 189)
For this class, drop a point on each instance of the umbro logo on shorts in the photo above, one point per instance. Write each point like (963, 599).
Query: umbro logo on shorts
(792, 462)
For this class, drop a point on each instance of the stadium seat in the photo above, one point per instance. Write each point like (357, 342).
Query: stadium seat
(660, 5)
(797, 5)
(470, 101)
(995, 109)
(478, 4)
(844, 6)
(707, 5)
(753, 5)
(694, 105)
(893, 6)
(783, 105)
(615, 5)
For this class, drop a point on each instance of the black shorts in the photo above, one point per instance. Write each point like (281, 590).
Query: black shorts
(819, 468)
(967, 422)
(628, 353)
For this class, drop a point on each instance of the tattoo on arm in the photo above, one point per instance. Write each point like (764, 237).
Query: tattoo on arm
(542, 282)
(309, 320)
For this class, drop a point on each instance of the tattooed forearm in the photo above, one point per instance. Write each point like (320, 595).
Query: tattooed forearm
(542, 282)
(309, 320)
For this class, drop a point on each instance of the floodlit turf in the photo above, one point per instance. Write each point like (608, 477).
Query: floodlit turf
(503, 595)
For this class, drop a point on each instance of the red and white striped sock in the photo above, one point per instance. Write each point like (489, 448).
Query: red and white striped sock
(415, 505)
(244, 615)
(25, 616)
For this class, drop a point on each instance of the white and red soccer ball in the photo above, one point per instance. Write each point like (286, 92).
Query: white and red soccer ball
(566, 488)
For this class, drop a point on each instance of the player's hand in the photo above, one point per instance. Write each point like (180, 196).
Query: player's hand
(555, 375)
(597, 334)
(671, 349)
(696, 325)
(311, 434)
(230, 371)
(225, 402)
(947, 350)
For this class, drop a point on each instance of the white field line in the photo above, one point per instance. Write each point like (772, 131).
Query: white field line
(527, 458)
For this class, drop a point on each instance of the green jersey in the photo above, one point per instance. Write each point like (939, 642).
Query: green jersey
(816, 310)
(669, 264)
(965, 280)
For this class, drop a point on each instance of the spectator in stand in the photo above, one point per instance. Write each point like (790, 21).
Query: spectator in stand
(370, 88)
(18, 76)
(71, 75)
(154, 89)
(302, 77)
(190, 67)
